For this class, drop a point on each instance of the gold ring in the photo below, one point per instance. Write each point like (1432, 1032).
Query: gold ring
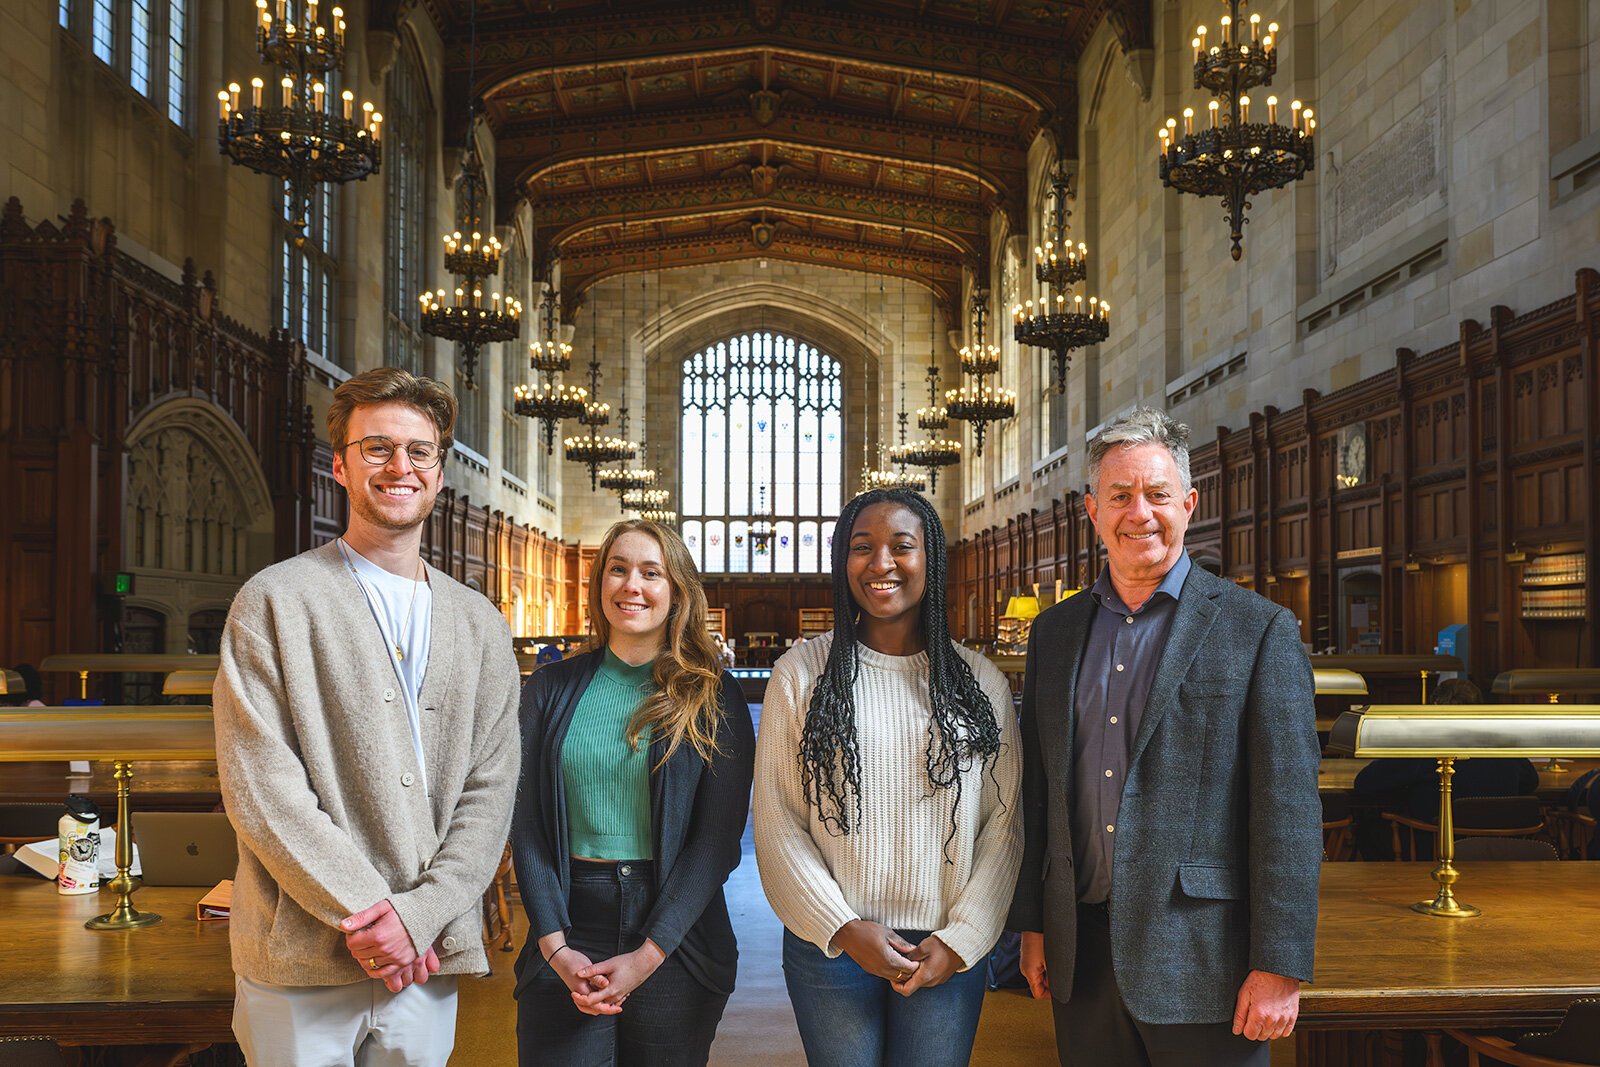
(372, 963)
(900, 976)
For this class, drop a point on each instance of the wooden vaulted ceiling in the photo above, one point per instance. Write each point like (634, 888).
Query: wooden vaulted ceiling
(872, 135)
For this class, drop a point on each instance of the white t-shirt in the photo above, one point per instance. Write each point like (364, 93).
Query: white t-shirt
(390, 598)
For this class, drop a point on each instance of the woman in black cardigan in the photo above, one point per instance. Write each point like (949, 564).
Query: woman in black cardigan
(631, 958)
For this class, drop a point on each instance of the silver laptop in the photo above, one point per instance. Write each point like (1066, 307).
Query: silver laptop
(185, 847)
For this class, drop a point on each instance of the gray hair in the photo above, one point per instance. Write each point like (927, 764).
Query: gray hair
(1141, 426)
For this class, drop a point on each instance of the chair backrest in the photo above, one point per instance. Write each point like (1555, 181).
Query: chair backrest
(1498, 813)
(1504, 848)
(1577, 1040)
(22, 821)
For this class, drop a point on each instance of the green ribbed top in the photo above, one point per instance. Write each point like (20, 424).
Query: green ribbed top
(607, 782)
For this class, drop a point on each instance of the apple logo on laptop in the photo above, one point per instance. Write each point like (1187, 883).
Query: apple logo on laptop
(193, 849)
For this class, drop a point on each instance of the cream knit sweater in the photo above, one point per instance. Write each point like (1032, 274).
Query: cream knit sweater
(892, 867)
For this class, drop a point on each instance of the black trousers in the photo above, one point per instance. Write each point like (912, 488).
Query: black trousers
(1094, 1029)
(669, 1021)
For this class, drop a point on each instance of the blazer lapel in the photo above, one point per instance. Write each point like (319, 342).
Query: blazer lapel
(1197, 610)
(1057, 680)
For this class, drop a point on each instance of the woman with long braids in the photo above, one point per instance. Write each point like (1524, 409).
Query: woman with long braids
(886, 817)
(636, 764)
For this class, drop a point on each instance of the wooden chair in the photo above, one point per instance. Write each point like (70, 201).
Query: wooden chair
(497, 908)
(22, 822)
(1573, 830)
(1576, 1043)
(1473, 817)
(1505, 848)
(1338, 833)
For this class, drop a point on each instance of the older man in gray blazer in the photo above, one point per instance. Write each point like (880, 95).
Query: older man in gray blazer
(1168, 892)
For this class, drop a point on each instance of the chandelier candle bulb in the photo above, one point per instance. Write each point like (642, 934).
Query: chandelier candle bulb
(1272, 110)
(1244, 109)
(256, 85)
(1255, 27)
(1196, 44)
(222, 104)
(288, 90)
(1188, 122)
(1200, 35)
(1212, 107)
(316, 95)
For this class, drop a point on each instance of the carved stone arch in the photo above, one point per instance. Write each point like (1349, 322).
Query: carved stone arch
(199, 511)
(1110, 56)
(860, 346)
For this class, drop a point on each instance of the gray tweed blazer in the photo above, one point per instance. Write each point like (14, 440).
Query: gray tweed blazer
(1219, 838)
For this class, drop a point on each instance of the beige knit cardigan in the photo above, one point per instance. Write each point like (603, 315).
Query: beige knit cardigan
(320, 776)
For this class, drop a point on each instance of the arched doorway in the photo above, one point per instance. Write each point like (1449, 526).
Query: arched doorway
(198, 515)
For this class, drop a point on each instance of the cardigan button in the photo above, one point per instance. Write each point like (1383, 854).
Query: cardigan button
(407, 779)
(388, 695)
(449, 944)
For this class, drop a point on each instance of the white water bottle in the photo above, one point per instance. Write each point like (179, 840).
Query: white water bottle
(79, 840)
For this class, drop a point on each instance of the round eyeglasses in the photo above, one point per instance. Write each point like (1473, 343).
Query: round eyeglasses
(378, 450)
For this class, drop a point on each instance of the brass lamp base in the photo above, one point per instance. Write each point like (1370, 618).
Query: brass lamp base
(1448, 907)
(123, 917)
(1444, 904)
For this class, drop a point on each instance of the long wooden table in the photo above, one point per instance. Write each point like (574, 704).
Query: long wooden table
(1383, 969)
(162, 984)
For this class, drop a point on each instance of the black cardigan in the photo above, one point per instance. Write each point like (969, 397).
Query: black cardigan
(697, 815)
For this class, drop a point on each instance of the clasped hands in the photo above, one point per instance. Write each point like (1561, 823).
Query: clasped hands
(600, 987)
(907, 968)
(379, 941)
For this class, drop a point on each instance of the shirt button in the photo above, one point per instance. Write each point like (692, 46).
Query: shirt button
(1119, 666)
(1108, 774)
(1113, 719)
(388, 695)
(407, 779)
(1130, 619)
(450, 944)
(1110, 829)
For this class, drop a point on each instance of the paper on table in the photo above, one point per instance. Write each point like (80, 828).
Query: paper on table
(45, 856)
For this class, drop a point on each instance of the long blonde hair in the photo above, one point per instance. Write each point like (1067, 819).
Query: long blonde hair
(687, 702)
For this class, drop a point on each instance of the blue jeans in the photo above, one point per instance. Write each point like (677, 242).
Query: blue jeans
(849, 1018)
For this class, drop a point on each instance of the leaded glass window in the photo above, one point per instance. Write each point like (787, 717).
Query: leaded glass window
(103, 32)
(177, 60)
(306, 290)
(762, 445)
(139, 46)
(405, 171)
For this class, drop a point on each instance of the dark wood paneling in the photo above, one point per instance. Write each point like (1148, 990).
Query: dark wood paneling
(1436, 428)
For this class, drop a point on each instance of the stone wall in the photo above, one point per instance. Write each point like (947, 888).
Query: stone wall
(73, 128)
(1453, 172)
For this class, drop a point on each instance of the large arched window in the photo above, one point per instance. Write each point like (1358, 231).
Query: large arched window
(762, 443)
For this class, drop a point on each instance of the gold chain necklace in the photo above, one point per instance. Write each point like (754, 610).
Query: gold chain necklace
(405, 634)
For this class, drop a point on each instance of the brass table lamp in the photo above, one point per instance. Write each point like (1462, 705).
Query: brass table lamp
(121, 735)
(1551, 683)
(189, 684)
(87, 663)
(1390, 663)
(1336, 681)
(1448, 732)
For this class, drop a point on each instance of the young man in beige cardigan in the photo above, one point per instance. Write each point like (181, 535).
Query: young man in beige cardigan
(366, 714)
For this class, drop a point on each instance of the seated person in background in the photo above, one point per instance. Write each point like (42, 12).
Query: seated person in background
(1410, 786)
(29, 697)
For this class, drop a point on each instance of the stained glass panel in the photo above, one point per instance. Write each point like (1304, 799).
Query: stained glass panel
(762, 432)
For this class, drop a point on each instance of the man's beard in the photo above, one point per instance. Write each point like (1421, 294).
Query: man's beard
(372, 515)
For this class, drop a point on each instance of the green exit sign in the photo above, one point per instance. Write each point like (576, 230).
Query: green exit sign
(123, 585)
